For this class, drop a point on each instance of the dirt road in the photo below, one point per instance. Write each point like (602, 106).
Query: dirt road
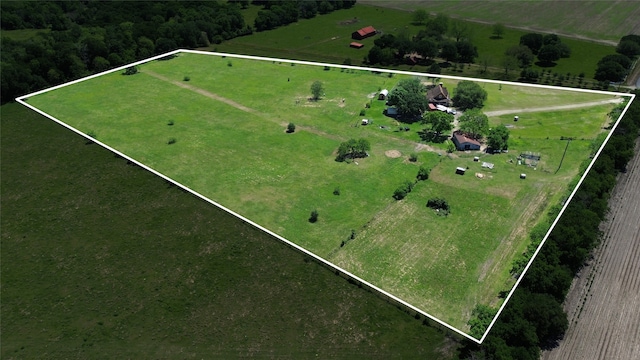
(603, 304)
(553, 108)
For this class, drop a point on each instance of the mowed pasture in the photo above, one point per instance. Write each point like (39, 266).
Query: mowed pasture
(222, 134)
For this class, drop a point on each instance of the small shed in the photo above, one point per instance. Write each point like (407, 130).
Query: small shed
(523, 176)
(363, 33)
(460, 170)
(356, 45)
(391, 111)
(383, 94)
(463, 142)
(432, 107)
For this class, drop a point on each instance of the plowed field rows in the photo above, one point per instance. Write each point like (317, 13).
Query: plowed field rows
(603, 304)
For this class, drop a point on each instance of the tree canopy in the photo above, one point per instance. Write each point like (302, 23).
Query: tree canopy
(419, 16)
(533, 41)
(629, 46)
(317, 90)
(549, 54)
(469, 95)
(409, 97)
(522, 54)
(474, 123)
(352, 149)
(439, 121)
(498, 138)
(497, 30)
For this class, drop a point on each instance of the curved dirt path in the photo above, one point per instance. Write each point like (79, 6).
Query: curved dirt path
(602, 304)
(553, 108)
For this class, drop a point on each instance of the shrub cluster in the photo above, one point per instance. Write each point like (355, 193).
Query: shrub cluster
(423, 173)
(402, 190)
(440, 205)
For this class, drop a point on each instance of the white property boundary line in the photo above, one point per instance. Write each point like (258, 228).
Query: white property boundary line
(22, 100)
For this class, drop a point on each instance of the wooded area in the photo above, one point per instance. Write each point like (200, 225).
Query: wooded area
(89, 37)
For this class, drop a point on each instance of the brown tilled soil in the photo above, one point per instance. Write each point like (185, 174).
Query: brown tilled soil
(603, 304)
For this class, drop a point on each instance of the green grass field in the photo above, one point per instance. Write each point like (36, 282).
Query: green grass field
(101, 259)
(303, 41)
(241, 157)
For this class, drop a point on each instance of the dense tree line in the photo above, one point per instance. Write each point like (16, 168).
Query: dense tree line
(441, 37)
(277, 13)
(616, 66)
(534, 318)
(87, 37)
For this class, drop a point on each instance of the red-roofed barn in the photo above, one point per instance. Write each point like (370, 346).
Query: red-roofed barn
(363, 33)
(464, 143)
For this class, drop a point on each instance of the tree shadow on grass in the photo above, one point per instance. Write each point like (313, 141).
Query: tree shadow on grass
(545, 64)
(430, 136)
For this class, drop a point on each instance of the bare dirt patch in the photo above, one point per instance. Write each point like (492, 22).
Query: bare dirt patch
(348, 22)
(553, 108)
(393, 154)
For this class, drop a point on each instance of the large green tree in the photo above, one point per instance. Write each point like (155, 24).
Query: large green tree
(549, 53)
(409, 97)
(532, 40)
(522, 54)
(498, 138)
(469, 95)
(317, 90)
(439, 121)
(419, 16)
(475, 123)
(352, 149)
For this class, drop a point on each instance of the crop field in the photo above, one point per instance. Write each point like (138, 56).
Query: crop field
(222, 134)
(602, 20)
(603, 301)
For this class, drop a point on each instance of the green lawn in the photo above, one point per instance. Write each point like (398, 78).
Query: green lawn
(101, 259)
(241, 157)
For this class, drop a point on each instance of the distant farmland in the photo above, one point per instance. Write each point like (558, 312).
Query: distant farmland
(222, 134)
(601, 20)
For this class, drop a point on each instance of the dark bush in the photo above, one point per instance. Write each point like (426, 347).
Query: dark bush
(131, 70)
(314, 216)
(402, 190)
(440, 205)
(423, 173)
